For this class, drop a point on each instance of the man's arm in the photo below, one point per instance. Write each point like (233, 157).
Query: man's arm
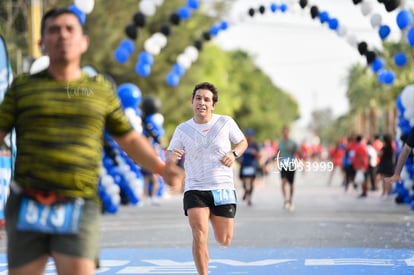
(141, 151)
(405, 152)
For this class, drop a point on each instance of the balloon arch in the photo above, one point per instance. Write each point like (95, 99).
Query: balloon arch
(122, 181)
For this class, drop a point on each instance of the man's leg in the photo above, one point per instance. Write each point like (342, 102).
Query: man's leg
(198, 218)
(68, 265)
(223, 229)
(36, 267)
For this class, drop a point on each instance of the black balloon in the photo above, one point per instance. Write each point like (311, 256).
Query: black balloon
(139, 19)
(150, 105)
(391, 5)
(262, 9)
(175, 19)
(356, 2)
(362, 48)
(314, 11)
(251, 12)
(165, 29)
(370, 55)
(131, 31)
(198, 44)
(303, 3)
(207, 35)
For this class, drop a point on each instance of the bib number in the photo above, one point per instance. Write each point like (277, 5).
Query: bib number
(224, 196)
(58, 218)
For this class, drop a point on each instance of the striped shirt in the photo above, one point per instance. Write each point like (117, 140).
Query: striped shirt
(59, 131)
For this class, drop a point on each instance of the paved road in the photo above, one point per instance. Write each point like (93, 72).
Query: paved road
(330, 232)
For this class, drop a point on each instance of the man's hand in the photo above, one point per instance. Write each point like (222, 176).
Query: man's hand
(392, 179)
(228, 159)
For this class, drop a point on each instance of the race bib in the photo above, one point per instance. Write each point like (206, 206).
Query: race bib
(58, 218)
(249, 171)
(224, 196)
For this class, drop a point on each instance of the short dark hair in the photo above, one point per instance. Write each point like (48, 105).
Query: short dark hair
(53, 13)
(206, 86)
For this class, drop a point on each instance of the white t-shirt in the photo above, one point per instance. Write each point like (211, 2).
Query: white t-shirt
(204, 146)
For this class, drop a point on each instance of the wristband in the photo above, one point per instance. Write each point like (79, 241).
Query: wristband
(158, 168)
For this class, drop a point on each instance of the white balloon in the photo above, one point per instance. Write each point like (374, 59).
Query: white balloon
(366, 7)
(192, 53)
(376, 20)
(116, 199)
(158, 118)
(352, 40)
(407, 97)
(107, 180)
(342, 30)
(40, 64)
(130, 176)
(184, 61)
(408, 183)
(113, 189)
(408, 114)
(152, 47)
(124, 168)
(85, 5)
(404, 174)
(89, 70)
(147, 7)
(160, 39)
(120, 160)
(130, 112)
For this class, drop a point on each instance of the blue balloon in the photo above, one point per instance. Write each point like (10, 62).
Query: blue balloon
(143, 69)
(389, 78)
(128, 45)
(323, 17)
(273, 7)
(404, 19)
(121, 55)
(224, 25)
(283, 7)
(80, 14)
(145, 57)
(178, 69)
(400, 59)
(172, 79)
(384, 31)
(194, 4)
(214, 30)
(386, 77)
(410, 36)
(333, 23)
(184, 13)
(377, 65)
(129, 94)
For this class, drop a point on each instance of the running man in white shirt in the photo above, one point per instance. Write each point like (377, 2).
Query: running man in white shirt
(209, 143)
